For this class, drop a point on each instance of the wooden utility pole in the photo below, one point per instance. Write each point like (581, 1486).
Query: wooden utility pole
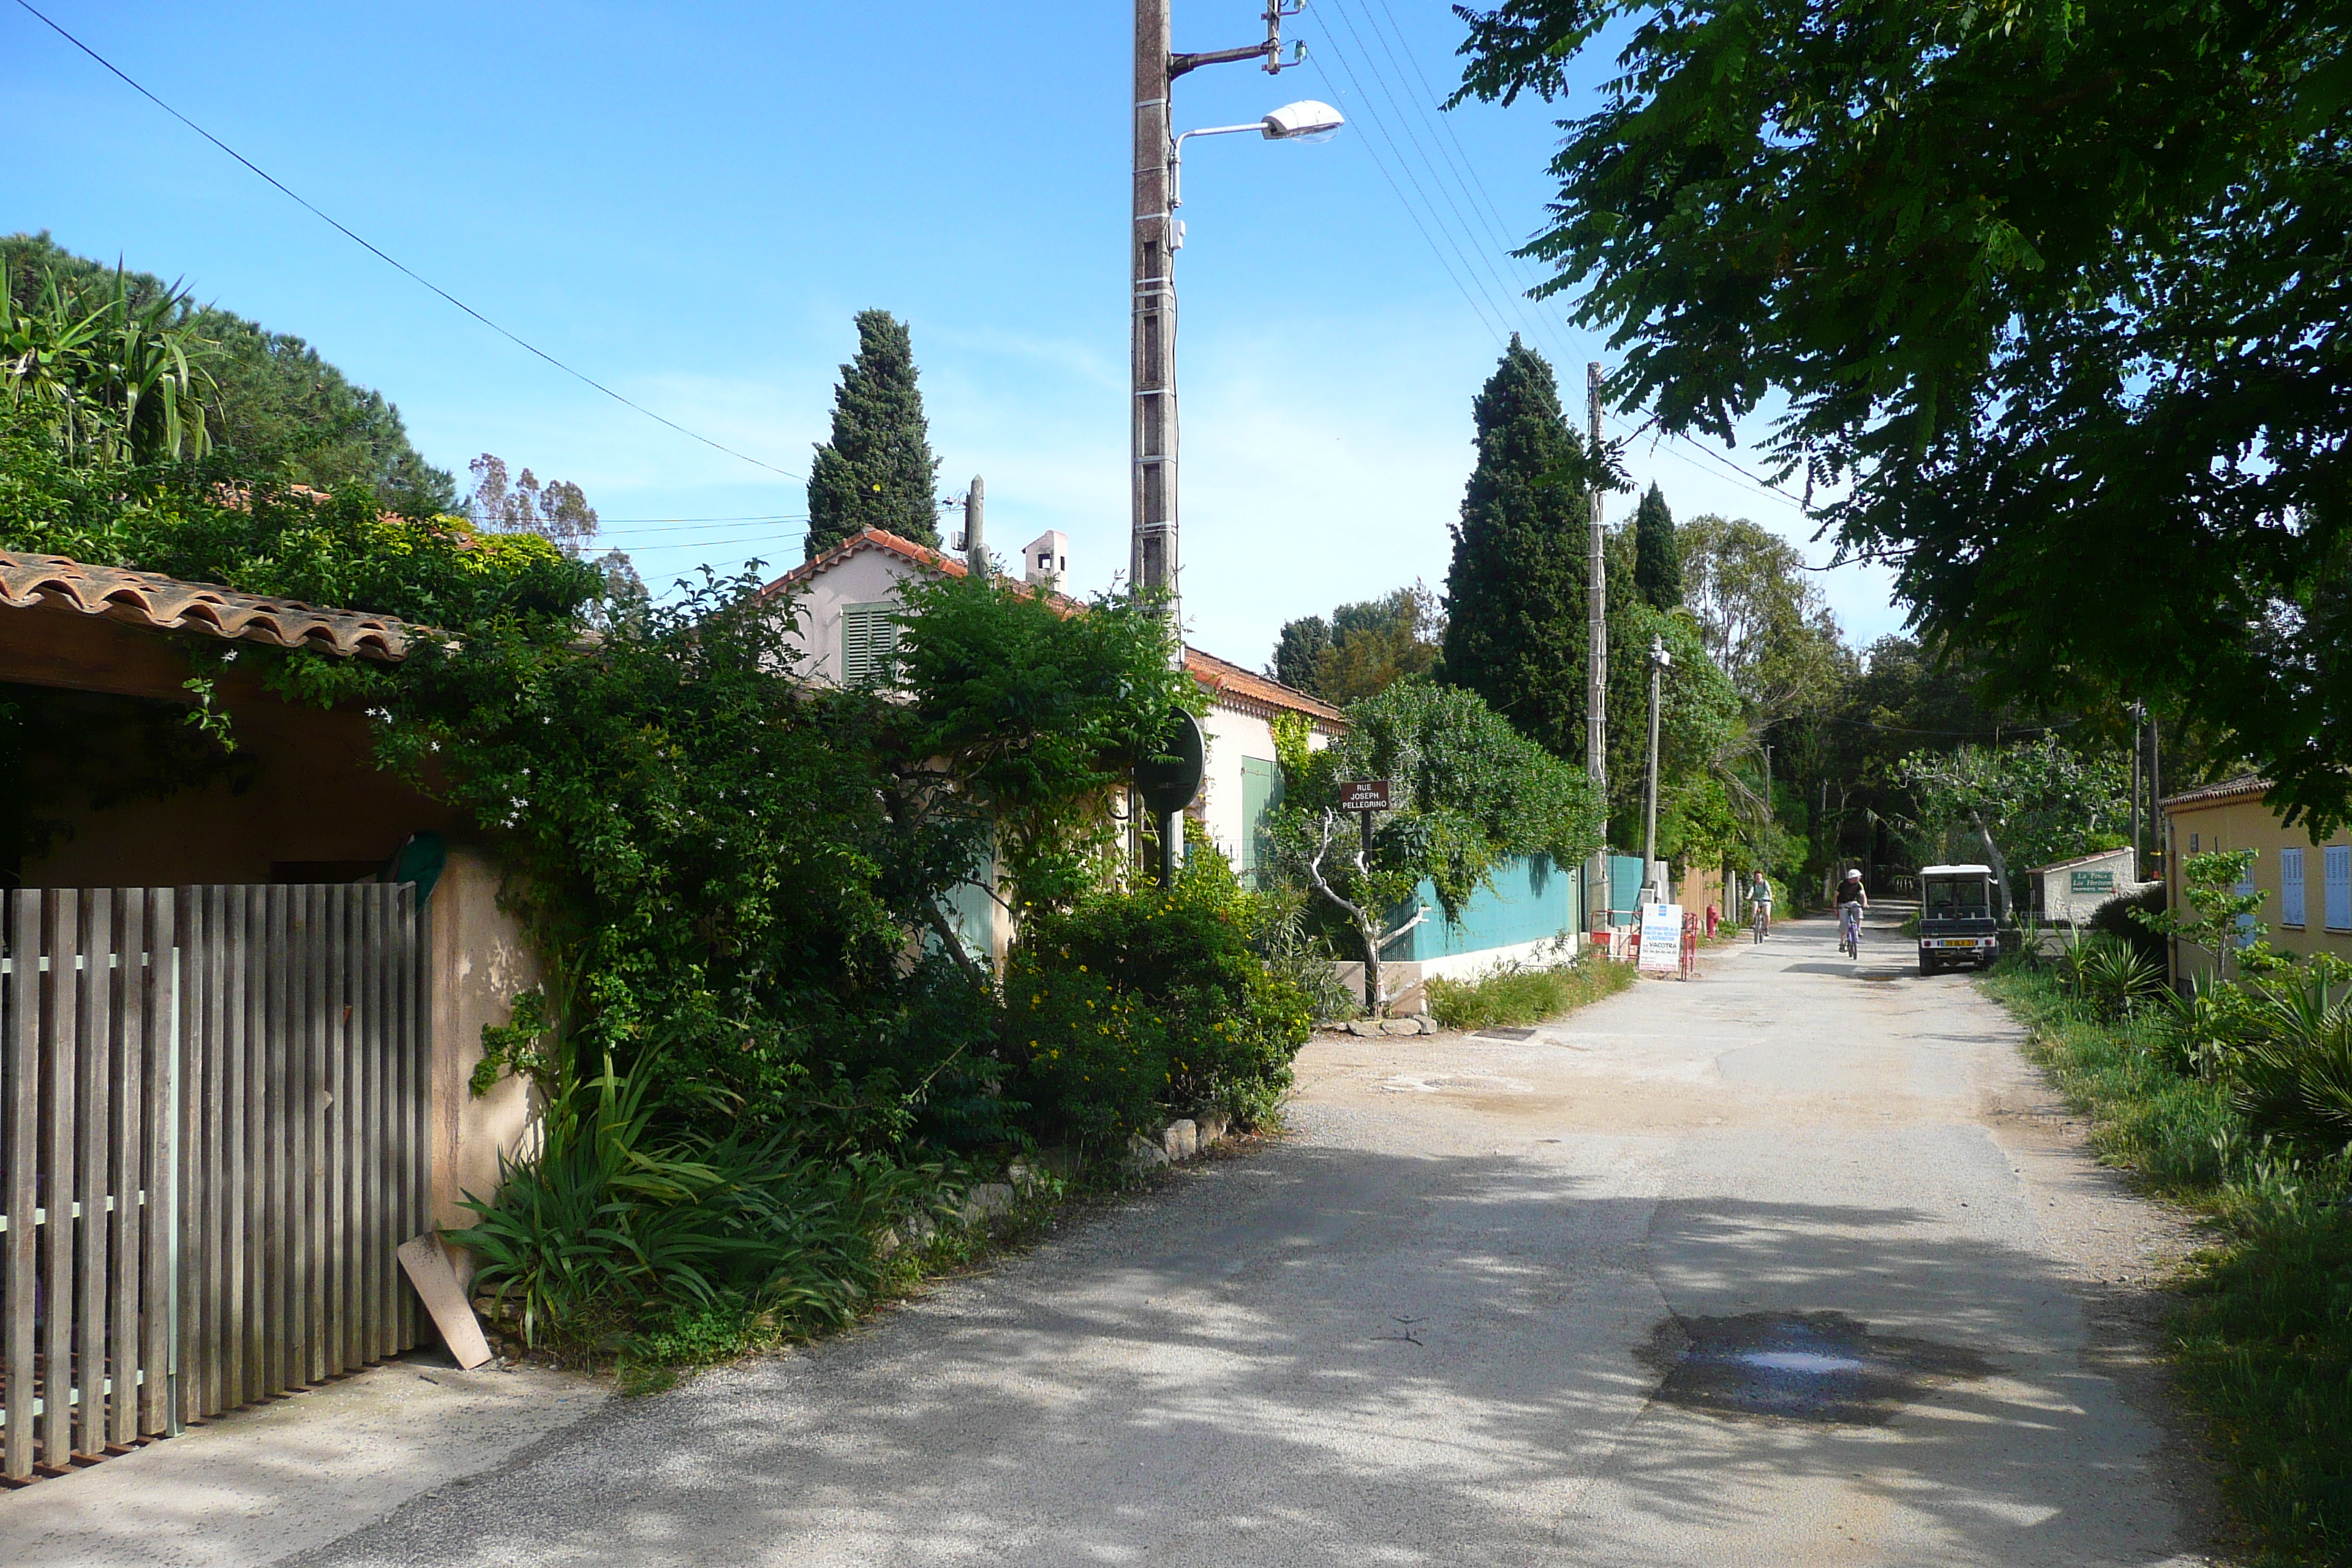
(1152, 564)
(1596, 660)
(975, 513)
(1596, 598)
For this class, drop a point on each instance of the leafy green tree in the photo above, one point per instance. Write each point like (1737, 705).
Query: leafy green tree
(877, 470)
(1515, 594)
(2030, 803)
(1470, 792)
(1298, 651)
(1703, 742)
(1657, 557)
(2055, 289)
(273, 407)
(1364, 648)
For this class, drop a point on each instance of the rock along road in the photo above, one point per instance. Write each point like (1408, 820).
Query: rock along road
(1790, 1264)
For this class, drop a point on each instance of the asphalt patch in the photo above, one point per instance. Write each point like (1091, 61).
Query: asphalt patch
(1821, 1367)
(1506, 1034)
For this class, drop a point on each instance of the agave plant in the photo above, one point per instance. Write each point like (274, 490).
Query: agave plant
(111, 375)
(2294, 1076)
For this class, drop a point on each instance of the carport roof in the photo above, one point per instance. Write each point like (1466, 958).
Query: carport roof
(164, 604)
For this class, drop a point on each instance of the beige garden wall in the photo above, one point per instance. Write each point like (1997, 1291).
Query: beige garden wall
(480, 961)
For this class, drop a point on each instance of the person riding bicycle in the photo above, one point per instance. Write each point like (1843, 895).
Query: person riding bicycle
(1759, 905)
(1850, 901)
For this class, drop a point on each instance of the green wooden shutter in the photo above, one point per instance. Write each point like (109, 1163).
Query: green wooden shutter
(1261, 793)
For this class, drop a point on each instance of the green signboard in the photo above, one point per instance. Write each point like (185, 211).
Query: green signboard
(2091, 881)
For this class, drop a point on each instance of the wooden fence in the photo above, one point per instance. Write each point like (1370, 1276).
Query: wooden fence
(214, 1141)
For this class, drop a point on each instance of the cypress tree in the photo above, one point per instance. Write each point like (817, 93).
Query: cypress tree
(1657, 559)
(878, 471)
(1514, 596)
(1299, 656)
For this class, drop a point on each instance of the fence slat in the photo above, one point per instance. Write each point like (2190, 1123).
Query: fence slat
(94, 976)
(17, 1289)
(416, 1157)
(60, 940)
(335, 1173)
(234, 1211)
(317, 1191)
(128, 982)
(158, 1015)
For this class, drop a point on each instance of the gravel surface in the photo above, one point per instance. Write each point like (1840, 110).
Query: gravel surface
(1432, 1326)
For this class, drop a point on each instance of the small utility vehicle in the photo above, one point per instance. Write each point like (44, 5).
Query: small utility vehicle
(1956, 920)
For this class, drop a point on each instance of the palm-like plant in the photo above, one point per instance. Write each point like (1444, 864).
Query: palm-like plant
(110, 376)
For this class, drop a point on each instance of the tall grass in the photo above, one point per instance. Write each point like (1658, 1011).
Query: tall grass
(2262, 1338)
(1525, 993)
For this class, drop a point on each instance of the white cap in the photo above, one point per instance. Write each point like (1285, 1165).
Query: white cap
(1855, 873)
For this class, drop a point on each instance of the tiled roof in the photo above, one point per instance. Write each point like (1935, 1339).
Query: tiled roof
(2244, 785)
(1257, 693)
(922, 556)
(166, 604)
(1228, 683)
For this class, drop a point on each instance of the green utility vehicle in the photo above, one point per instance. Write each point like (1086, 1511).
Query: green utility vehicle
(1956, 917)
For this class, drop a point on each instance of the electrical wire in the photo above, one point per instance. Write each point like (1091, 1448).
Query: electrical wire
(1481, 312)
(1456, 233)
(372, 249)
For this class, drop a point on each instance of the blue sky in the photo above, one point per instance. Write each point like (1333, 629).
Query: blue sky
(690, 206)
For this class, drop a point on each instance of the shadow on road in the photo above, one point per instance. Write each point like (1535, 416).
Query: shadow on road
(1325, 1355)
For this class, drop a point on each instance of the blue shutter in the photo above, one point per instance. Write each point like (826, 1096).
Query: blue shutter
(2336, 866)
(2291, 887)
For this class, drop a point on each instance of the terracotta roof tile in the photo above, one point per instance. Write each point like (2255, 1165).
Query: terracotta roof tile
(2227, 789)
(1247, 690)
(166, 603)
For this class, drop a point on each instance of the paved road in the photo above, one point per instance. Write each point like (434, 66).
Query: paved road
(1771, 1267)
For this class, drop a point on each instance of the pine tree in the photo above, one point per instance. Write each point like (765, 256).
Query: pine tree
(878, 471)
(1657, 559)
(1298, 656)
(1514, 596)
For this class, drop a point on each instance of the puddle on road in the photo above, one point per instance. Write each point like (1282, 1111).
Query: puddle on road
(1799, 1366)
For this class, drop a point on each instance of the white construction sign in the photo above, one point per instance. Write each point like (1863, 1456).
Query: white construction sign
(1662, 936)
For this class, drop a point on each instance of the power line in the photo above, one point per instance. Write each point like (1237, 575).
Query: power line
(281, 187)
(1410, 212)
(1436, 178)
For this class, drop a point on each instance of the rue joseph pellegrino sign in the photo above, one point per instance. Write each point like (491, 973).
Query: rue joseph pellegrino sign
(1364, 794)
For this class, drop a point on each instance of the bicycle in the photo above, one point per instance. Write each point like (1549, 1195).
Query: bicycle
(1759, 919)
(1850, 930)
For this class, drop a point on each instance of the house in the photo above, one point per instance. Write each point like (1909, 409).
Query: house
(2070, 891)
(844, 600)
(2307, 880)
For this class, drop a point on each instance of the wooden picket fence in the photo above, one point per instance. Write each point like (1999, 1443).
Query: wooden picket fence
(215, 1138)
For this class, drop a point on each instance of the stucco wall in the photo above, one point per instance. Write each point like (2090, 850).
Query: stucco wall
(865, 577)
(2248, 824)
(480, 961)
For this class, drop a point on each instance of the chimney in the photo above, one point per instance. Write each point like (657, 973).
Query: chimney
(1045, 559)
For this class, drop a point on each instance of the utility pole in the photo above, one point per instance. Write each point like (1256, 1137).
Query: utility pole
(1151, 567)
(1154, 236)
(2155, 796)
(2136, 727)
(1659, 661)
(1154, 566)
(975, 504)
(1596, 657)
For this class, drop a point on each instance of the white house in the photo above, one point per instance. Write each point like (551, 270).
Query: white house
(845, 596)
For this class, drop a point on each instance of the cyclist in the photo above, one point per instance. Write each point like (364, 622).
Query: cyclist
(1760, 906)
(1850, 901)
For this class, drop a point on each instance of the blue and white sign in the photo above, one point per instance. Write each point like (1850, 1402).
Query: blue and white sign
(1662, 936)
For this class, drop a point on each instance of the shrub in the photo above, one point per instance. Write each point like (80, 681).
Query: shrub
(2124, 918)
(608, 1232)
(1133, 1005)
(1525, 993)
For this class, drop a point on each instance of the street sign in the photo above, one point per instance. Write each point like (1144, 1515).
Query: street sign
(1364, 794)
(1170, 778)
